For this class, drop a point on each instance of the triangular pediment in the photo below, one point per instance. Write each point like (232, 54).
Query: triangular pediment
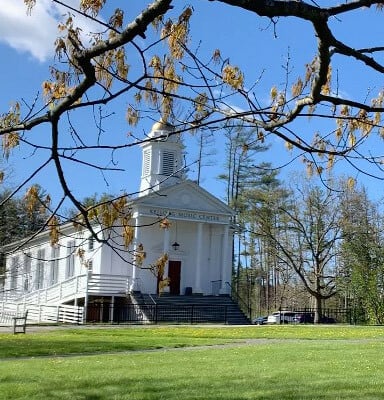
(186, 197)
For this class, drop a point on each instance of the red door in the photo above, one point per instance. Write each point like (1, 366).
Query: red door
(174, 271)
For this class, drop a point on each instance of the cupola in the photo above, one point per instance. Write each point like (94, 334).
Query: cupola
(162, 159)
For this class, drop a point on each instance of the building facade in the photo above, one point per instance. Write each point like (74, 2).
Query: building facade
(79, 269)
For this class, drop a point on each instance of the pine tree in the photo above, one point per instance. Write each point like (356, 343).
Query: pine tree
(363, 256)
(260, 213)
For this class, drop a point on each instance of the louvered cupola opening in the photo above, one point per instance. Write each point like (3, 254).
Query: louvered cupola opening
(146, 162)
(168, 163)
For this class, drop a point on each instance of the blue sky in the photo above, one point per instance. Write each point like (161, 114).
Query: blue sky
(26, 50)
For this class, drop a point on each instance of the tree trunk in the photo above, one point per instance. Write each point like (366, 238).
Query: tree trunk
(318, 309)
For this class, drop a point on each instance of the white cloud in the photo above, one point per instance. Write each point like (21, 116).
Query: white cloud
(34, 34)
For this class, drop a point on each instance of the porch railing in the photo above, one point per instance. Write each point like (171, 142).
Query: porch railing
(75, 287)
(38, 314)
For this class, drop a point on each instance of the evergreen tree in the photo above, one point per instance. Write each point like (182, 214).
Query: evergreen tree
(241, 158)
(363, 256)
(19, 219)
(9, 218)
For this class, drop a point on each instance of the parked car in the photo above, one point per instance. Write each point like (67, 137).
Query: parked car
(281, 317)
(309, 318)
(260, 320)
(304, 318)
(327, 320)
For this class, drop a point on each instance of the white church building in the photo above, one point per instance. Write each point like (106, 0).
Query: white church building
(197, 242)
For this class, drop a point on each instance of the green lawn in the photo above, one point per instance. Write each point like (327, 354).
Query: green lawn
(306, 362)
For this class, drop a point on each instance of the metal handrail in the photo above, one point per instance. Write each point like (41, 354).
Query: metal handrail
(235, 296)
(153, 300)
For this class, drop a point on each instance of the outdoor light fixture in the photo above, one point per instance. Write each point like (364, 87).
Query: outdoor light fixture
(175, 246)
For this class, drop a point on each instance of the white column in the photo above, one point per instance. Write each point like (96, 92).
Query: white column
(135, 268)
(88, 275)
(199, 257)
(166, 241)
(166, 251)
(225, 269)
(111, 309)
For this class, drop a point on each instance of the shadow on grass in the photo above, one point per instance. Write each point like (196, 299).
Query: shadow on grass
(186, 388)
(294, 371)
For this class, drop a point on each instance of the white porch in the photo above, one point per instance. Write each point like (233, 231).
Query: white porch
(72, 289)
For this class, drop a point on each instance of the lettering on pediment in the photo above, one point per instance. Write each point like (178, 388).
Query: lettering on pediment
(184, 215)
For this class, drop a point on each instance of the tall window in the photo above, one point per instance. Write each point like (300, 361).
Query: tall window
(91, 243)
(3, 268)
(168, 163)
(27, 272)
(55, 253)
(70, 270)
(40, 268)
(14, 272)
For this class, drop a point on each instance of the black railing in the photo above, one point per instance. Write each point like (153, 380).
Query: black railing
(157, 313)
(245, 306)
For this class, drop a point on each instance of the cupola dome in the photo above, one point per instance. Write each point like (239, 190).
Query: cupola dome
(163, 130)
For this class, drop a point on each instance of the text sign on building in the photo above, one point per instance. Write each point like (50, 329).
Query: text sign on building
(185, 215)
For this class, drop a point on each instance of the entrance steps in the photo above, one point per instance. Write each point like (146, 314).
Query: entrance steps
(203, 308)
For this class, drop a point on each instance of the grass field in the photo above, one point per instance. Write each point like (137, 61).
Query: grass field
(267, 362)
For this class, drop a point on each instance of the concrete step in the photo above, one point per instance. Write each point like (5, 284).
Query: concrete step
(198, 308)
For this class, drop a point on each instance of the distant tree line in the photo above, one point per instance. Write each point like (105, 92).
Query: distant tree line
(20, 217)
(308, 244)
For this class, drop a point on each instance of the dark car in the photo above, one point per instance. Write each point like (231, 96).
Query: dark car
(327, 320)
(304, 318)
(309, 318)
(259, 320)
